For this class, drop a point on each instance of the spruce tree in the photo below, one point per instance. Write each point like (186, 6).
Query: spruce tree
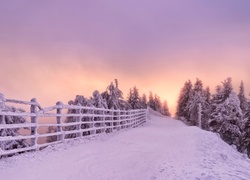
(165, 109)
(79, 101)
(114, 97)
(151, 102)
(130, 96)
(134, 98)
(226, 113)
(199, 105)
(195, 103)
(144, 101)
(158, 104)
(242, 98)
(14, 144)
(51, 129)
(98, 102)
(182, 111)
(206, 112)
(244, 145)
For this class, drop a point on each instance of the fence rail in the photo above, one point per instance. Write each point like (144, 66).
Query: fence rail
(88, 121)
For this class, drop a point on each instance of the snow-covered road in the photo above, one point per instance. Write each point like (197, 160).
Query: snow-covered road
(162, 149)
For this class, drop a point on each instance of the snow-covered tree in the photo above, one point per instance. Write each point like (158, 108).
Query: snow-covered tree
(151, 102)
(198, 105)
(206, 108)
(244, 145)
(144, 101)
(182, 111)
(226, 113)
(207, 95)
(114, 97)
(134, 98)
(98, 102)
(130, 96)
(51, 129)
(157, 102)
(165, 109)
(194, 103)
(14, 144)
(80, 101)
(242, 98)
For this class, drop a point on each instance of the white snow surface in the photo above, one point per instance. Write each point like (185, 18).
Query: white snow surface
(161, 149)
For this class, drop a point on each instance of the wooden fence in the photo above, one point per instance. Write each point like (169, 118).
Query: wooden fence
(88, 121)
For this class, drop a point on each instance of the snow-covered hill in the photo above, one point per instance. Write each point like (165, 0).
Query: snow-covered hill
(162, 149)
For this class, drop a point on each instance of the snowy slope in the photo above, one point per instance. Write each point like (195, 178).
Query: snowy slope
(162, 149)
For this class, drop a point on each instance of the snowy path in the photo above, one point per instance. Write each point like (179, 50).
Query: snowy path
(162, 149)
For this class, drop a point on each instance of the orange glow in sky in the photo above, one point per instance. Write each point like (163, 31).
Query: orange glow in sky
(56, 50)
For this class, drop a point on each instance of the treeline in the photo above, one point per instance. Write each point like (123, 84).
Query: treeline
(224, 112)
(111, 98)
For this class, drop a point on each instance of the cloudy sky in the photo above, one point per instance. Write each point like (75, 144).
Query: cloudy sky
(55, 49)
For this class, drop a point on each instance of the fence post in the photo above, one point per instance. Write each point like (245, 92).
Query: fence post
(2, 118)
(59, 121)
(130, 121)
(33, 110)
(103, 122)
(79, 120)
(92, 119)
(119, 122)
(135, 118)
(127, 118)
(115, 120)
(112, 120)
(2, 144)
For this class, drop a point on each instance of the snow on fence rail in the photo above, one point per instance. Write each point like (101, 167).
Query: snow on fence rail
(99, 120)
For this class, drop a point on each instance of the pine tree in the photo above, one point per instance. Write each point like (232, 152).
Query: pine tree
(195, 102)
(243, 99)
(98, 102)
(206, 112)
(165, 109)
(114, 97)
(226, 113)
(144, 101)
(14, 144)
(130, 96)
(151, 102)
(51, 129)
(199, 105)
(158, 104)
(244, 145)
(207, 95)
(79, 101)
(182, 111)
(134, 98)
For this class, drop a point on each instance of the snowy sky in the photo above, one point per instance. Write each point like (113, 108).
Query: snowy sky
(55, 49)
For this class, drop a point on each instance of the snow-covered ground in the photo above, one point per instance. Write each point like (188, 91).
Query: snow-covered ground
(162, 149)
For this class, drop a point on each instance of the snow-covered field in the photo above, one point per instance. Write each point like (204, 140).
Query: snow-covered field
(162, 149)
